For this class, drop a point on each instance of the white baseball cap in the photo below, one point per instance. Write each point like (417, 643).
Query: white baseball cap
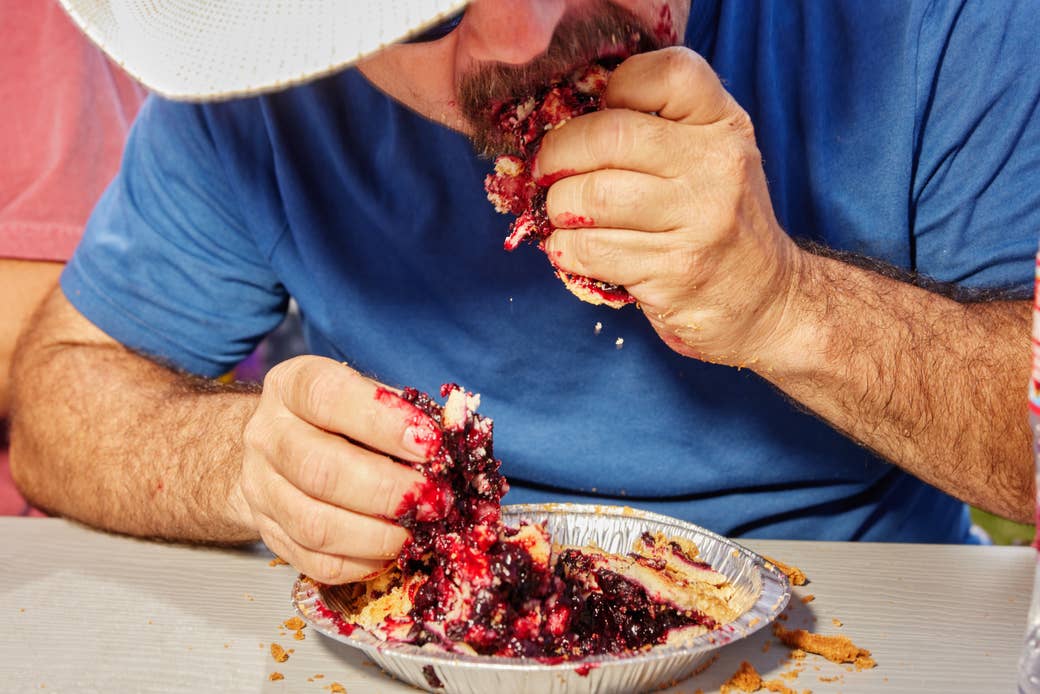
(217, 49)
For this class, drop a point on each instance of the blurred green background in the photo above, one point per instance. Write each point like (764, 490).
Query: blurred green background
(1002, 531)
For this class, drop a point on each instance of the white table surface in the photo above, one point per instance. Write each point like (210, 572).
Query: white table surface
(84, 611)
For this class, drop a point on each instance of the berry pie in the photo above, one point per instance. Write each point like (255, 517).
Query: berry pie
(468, 583)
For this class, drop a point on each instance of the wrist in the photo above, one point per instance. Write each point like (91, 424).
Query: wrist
(796, 339)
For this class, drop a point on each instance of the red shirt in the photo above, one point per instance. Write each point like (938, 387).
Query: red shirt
(64, 117)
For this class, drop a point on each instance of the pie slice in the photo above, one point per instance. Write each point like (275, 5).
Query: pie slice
(468, 583)
(511, 187)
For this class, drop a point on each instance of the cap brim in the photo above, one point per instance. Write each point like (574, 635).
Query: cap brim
(189, 50)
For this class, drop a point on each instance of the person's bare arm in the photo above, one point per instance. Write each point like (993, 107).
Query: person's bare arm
(111, 439)
(936, 385)
(672, 177)
(108, 437)
(25, 283)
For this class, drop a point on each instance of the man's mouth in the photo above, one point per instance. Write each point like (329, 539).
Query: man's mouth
(494, 95)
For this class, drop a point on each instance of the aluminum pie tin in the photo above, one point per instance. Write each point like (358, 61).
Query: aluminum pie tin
(762, 594)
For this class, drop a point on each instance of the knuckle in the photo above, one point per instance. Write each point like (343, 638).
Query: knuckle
(329, 568)
(317, 473)
(612, 138)
(683, 67)
(685, 262)
(596, 193)
(281, 374)
(314, 531)
(390, 492)
(255, 436)
(740, 159)
(585, 249)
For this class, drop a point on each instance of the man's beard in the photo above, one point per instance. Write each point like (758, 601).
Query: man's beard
(608, 33)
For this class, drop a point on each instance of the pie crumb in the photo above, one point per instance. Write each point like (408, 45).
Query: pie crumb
(808, 598)
(795, 575)
(294, 624)
(277, 561)
(275, 676)
(837, 622)
(838, 649)
(279, 653)
(745, 679)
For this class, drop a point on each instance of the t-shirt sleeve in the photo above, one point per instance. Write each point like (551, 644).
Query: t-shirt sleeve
(167, 265)
(975, 207)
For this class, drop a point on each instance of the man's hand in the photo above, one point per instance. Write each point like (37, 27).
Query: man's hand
(664, 193)
(112, 439)
(316, 475)
(668, 198)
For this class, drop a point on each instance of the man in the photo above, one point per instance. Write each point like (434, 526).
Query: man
(66, 112)
(906, 132)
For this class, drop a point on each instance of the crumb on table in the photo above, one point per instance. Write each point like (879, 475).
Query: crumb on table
(745, 679)
(795, 575)
(279, 653)
(294, 624)
(838, 649)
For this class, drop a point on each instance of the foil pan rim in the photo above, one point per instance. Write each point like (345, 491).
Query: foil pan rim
(776, 590)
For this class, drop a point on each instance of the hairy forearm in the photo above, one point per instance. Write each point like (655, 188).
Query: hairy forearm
(933, 384)
(109, 438)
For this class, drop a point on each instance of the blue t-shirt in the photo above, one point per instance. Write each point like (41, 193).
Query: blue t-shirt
(908, 131)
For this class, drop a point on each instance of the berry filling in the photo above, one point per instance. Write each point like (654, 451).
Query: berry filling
(512, 188)
(468, 583)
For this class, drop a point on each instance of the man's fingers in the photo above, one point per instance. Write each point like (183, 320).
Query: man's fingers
(336, 398)
(327, 467)
(618, 256)
(612, 139)
(326, 568)
(675, 83)
(613, 198)
(327, 529)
